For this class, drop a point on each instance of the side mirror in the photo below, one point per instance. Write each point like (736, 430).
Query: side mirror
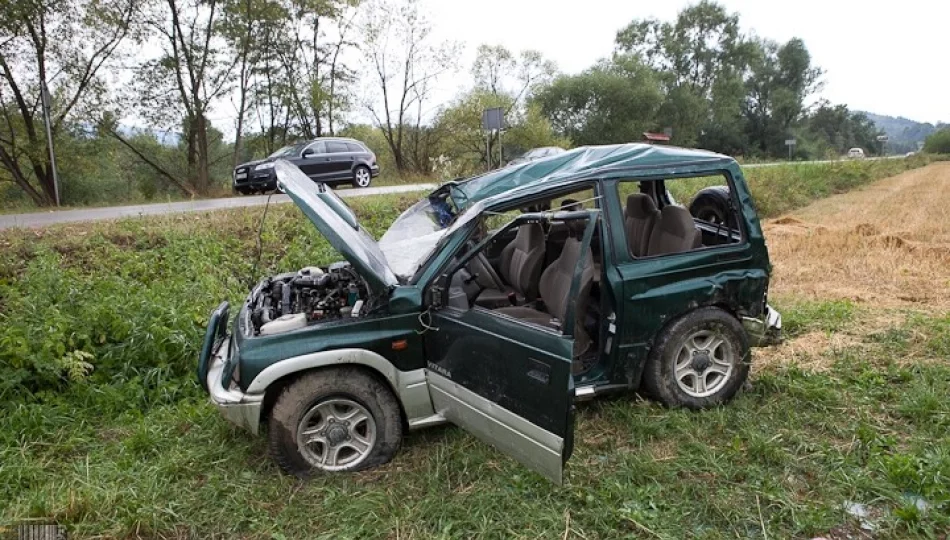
(307, 152)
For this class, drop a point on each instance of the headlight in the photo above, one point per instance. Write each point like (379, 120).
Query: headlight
(264, 166)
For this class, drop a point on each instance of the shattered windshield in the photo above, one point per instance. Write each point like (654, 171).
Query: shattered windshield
(416, 233)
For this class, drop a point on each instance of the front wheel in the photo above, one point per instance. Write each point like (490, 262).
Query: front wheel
(334, 420)
(362, 177)
(700, 360)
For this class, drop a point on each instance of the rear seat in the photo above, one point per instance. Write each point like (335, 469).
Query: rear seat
(675, 232)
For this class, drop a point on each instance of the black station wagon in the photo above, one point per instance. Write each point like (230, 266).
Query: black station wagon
(495, 303)
(332, 160)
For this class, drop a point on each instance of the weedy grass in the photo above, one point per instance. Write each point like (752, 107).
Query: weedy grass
(780, 460)
(103, 428)
(781, 188)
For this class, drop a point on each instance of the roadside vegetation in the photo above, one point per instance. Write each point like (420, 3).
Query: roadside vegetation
(262, 74)
(103, 428)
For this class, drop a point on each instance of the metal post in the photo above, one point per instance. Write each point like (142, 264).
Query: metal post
(488, 150)
(501, 161)
(789, 152)
(45, 98)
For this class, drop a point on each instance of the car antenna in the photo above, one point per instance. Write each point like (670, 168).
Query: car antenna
(260, 244)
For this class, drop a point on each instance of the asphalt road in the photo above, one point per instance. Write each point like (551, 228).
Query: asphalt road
(42, 219)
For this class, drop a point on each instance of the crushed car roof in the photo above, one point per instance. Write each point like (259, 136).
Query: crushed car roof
(585, 162)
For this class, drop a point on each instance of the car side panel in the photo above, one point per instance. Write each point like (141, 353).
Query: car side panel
(656, 290)
(376, 334)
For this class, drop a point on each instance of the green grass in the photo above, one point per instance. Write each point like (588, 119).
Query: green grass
(801, 316)
(785, 454)
(103, 429)
(782, 188)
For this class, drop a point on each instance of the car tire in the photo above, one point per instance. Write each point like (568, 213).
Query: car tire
(334, 420)
(699, 360)
(712, 205)
(362, 177)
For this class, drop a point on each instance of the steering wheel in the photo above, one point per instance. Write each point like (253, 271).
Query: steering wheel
(484, 274)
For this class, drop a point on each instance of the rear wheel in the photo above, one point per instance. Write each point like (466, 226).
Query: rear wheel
(362, 177)
(700, 360)
(334, 420)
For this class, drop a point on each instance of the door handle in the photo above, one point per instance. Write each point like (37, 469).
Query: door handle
(539, 371)
(728, 256)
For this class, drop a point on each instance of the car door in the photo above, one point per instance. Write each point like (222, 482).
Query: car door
(505, 380)
(313, 161)
(340, 160)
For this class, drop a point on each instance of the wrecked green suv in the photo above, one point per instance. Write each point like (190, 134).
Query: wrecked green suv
(497, 302)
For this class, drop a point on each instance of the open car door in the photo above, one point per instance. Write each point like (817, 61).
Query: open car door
(505, 380)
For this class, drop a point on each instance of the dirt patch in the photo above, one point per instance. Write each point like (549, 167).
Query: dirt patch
(885, 245)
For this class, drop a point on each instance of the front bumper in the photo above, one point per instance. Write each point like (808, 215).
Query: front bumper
(766, 330)
(243, 410)
(246, 178)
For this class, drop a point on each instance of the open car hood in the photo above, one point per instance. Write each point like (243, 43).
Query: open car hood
(337, 223)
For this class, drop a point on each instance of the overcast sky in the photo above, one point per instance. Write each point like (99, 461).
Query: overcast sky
(888, 58)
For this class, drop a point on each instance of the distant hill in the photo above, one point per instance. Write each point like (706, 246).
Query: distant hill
(903, 134)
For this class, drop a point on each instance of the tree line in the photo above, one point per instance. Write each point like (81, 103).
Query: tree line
(283, 70)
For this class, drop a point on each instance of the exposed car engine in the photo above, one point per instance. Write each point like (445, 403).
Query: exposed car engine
(294, 300)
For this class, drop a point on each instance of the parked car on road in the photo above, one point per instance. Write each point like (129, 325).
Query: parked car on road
(537, 153)
(331, 160)
(495, 303)
(856, 153)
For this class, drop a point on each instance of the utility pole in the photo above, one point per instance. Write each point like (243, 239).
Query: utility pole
(45, 98)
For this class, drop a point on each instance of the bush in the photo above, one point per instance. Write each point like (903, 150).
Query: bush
(938, 142)
(108, 304)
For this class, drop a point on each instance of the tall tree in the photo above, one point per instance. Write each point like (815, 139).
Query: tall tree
(781, 79)
(67, 44)
(313, 67)
(498, 71)
(247, 26)
(192, 71)
(508, 81)
(404, 64)
(613, 102)
(699, 59)
(836, 129)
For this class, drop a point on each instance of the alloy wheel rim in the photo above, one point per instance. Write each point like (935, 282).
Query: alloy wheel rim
(704, 363)
(362, 177)
(336, 434)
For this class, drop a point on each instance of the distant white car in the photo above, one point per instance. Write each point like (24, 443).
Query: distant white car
(856, 153)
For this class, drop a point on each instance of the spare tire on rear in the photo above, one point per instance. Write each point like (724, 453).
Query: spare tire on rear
(712, 205)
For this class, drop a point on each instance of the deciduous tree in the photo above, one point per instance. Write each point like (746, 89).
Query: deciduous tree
(67, 44)
(403, 64)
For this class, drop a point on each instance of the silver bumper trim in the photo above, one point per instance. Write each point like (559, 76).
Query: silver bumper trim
(766, 330)
(242, 410)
